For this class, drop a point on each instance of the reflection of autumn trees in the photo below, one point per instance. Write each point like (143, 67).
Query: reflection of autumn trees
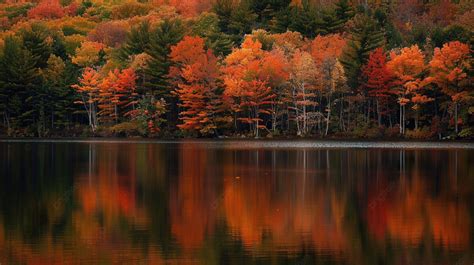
(92, 220)
(292, 213)
(192, 201)
(296, 199)
(406, 210)
(450, 224)
(187, 202)
(405, 216)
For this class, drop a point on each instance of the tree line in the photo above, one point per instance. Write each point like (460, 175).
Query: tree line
(247, 68)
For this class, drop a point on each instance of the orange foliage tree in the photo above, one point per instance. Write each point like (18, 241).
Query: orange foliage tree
(196, 76)
(330, 75)
(251, 76)
(329, 46)
(408, 67)
(448, 70)
(117, 94)
(88, 89)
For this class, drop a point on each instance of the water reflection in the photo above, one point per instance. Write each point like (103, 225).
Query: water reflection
(142, 203)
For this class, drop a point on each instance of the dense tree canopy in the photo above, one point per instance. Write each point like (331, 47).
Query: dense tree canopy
(237, 68)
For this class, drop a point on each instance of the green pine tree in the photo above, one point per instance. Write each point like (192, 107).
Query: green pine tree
(138, 40)
(36, 41)
(365, 37)
(19, 84)
(207, 27)
(306, 20)
(223, 9)
(344, 11)
(331, 22)
(281, 21)
(267, 10)
(242, 21)
(167, 34)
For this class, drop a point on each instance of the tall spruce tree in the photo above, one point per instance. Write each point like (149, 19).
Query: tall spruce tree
(281, 21)
(138, 41)
(167, 34)
(331, 22)
(366, 35)
(242, 21)
(207, 27)
(344, 10)
(306, 19)
(19, 84)
(223, 9)
(267, 10)
(37, 41)
(235, 19)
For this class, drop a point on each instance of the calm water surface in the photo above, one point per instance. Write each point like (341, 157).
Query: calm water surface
(235, 203)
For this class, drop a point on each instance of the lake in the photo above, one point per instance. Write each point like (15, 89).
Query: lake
(236, 202)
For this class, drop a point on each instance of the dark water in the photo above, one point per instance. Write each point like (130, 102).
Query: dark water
(235, 203)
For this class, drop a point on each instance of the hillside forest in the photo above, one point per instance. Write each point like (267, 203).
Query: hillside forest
(230, 68)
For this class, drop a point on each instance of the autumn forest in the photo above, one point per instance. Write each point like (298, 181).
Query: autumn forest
(229, 68)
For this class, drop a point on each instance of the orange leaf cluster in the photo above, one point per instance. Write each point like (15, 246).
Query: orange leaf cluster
(408, 67)
(117, 93)
(251, 76)
(196, 76)
(448, 69)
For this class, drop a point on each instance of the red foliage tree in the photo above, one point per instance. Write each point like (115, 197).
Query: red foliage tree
(378, 81)
(187, 8)
(47, 9)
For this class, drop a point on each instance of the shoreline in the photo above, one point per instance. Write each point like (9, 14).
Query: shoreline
(265, 143)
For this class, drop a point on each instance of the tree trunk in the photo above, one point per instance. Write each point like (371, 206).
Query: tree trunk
(368, 113)
(89, 114)
(416, 120)
(256, 127)
(304, 111)
(235, 121)
(287, 119)
(320, 126)
(297, 113)
(404, 119)
(116, 113)
(456, 117)
(274, 117)
(349, 115)
(401, 119)
(329, 115)
(94, 116)
(341, 115)
(256, 130)
(379, 116)
(7, 122)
